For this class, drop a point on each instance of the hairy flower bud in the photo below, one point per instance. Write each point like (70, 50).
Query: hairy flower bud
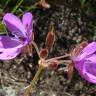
(50, 40)
(53, 64)
(44, 4)
(43, 53)
(70, 67)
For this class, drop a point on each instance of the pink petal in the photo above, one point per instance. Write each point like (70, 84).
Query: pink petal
(89, 49)
(80, 66)
(27, 22)
(9, 53)
(79, 57)
(14, 25)
(90, 64)
(89, 77)
(87, 68)
(91, 58)
(9, 47)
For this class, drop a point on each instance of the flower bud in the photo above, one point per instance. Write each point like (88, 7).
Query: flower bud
(70, 70)
(50, 40)
(53, 64)
(44, 4)
(44, 53)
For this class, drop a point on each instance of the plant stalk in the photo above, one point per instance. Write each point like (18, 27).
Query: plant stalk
(59, 57)
(36, 48)
(34, 81)
(16, 7)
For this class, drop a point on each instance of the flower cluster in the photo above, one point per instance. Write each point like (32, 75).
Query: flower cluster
(83, 57)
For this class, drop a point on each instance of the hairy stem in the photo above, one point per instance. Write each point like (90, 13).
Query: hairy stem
(59, 57)
(34, 81)
(36, 48)
(65, 61)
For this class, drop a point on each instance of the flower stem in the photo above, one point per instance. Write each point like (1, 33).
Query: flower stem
(60, 57)
(36, 48)
(34, 81)
(65, 61)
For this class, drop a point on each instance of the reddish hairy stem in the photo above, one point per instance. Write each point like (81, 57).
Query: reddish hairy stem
(59, 57)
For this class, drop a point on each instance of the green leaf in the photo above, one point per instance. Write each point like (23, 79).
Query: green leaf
(2, 29)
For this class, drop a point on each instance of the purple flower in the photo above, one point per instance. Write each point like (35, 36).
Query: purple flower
(85, 62)
(11, 46)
